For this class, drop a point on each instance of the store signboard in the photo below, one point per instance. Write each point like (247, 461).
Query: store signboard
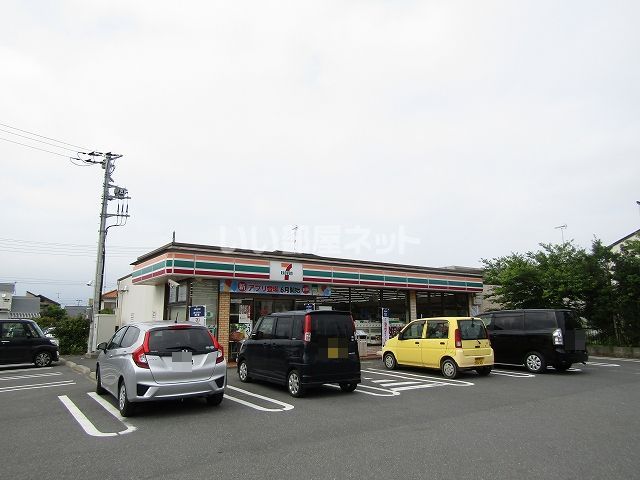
(274, 288)
(285, 271)
(198, 314)
(385, 325)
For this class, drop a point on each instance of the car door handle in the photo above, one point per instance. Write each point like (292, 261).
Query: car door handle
(441, 343)
(417, 343)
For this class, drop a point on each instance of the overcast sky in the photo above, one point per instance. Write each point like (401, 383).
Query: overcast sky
(426, 133)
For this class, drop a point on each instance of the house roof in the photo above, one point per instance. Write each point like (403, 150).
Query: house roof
(110, 294)
(624, 239)
(42, 298)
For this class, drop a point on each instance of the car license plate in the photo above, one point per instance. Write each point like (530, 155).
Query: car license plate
(182, 362)
(479, 361)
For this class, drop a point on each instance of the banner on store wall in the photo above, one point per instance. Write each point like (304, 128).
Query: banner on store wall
(274, 288)
(385, 325)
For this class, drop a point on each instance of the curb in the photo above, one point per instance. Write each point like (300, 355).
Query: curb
(79, 368)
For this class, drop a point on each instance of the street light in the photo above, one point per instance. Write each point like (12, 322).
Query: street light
(561, 227)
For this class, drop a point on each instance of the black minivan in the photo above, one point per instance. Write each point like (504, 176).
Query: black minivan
(537, 338)
(301, 349)
(22, 341)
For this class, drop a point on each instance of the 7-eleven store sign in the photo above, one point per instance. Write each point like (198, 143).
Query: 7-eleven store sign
(285, 271)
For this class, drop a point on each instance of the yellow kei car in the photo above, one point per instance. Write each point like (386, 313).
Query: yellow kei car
(450, 344)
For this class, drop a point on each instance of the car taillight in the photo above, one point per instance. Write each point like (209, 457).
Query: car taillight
(557, 337)
(458, 338)
(307, 328)
(218, 347)
(139, 354)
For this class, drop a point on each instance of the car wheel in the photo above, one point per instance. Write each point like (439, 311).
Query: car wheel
(99, 389)
(42, 359)
(449, 368)
(483, 371)
(215, 399)
(348, 387)
(294, 384)
(243, 371)
(390, 361)
(124, 405)
(535, 362)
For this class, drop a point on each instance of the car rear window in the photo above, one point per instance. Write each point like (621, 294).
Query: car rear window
(570, 319)
(195, 340)
(331, 326)
(472, 329)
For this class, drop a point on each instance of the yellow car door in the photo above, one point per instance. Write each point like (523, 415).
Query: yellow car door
(408, 349)
(436, 342)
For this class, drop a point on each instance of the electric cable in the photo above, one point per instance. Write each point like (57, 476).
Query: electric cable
(42, 136)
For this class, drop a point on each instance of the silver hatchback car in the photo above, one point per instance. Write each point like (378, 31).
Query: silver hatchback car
(153, 361)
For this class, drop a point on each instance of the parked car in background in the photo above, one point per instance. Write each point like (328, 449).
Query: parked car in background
(450, 344)
(153, 361)
(537, 338)
(302, 349)
(22, 341)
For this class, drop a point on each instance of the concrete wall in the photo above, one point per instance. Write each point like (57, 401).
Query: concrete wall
(139, 303)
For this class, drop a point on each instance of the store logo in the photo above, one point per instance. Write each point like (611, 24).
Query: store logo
(287, 270)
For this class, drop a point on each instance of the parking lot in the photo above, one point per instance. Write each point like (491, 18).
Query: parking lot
(407, 422)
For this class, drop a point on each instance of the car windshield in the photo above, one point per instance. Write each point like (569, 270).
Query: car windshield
(172, 339)
(472, 329)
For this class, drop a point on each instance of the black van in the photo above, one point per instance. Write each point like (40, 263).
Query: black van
(301, 349)
(537, 338)
(22, 341)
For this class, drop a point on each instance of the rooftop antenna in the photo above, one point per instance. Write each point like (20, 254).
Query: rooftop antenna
(174, 237)
(295, 237)
(561, 227)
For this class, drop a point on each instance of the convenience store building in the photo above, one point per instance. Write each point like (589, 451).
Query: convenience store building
(229, 289)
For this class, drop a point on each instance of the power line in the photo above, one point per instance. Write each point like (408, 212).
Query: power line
(85, 245)
(41, 149)
(42, 136)
(41, 141)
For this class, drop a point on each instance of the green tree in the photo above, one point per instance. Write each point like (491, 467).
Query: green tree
(73, 334)
(626, 281)
(51, 315)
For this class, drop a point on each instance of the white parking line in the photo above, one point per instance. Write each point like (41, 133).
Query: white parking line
(36, 386)
(387, 393)
(598, 364)
(21, 377)
(285, 406)
(512, 374)
(25, 370)
(84, 422)
(413, 376)
(633, 360)
(113, 411)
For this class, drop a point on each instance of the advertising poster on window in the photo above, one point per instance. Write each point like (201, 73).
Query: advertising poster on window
(198, 314)
(385, 325)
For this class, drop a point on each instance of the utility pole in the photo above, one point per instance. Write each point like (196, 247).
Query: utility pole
(119, 193)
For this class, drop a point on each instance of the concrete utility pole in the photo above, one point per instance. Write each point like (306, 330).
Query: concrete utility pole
(120, 194)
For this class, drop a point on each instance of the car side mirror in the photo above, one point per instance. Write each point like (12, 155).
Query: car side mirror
(102, 346)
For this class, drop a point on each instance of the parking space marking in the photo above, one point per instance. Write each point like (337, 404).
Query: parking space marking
(35, 375)
(15, 388)
(633, 360)
(436, 381)
(88, 427)
(387, 393)
(84, 422)
(113, 411)
(512, 374)
(598, 364)
(11, 371)
(284, 406)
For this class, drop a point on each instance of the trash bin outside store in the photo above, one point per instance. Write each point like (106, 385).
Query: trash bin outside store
(361, 336)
